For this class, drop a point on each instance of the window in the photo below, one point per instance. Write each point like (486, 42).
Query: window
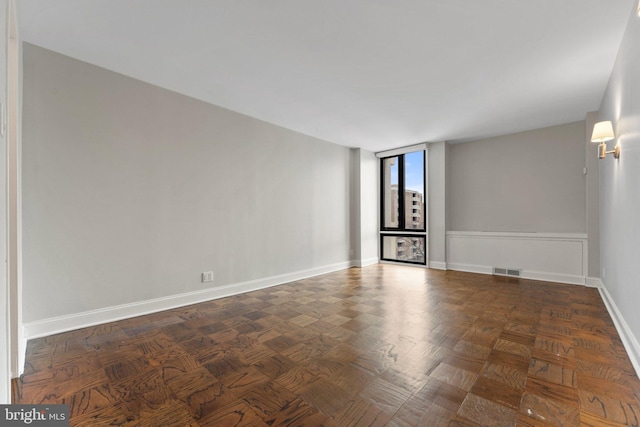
(403, 207)
(404, 248)
(403, 191)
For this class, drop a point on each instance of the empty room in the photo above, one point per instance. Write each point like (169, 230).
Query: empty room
(320, 213)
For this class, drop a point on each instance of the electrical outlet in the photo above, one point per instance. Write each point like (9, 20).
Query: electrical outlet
(207, 276)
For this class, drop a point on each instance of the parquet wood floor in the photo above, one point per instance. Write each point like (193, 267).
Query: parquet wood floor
(383, 345)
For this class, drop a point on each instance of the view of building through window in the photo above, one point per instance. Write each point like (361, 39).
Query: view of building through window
(403, 206)
(390, 190)
(404, 248)
(414, 190)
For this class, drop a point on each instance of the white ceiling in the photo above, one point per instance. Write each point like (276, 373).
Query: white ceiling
(375, 74)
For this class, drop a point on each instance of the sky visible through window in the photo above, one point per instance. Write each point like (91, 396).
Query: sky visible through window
(413, 172)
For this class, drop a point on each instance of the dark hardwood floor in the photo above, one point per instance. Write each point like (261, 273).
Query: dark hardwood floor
(382, 345)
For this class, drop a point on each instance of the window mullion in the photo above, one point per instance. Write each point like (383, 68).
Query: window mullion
(401, 195)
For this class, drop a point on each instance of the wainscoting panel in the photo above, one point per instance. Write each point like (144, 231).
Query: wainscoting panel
(541, 256)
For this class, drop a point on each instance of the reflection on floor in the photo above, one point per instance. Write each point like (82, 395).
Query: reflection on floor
(382, 345)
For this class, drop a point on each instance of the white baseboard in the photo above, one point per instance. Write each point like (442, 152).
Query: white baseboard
(626, 335)
(55, 325)
(365, 262)
(470, 268)
(533, 275)
(22, 355)
(438, 265)
(593, 282)
(553, 277)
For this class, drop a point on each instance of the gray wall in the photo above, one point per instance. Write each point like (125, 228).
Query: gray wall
(620, 182)
(526, 182)
(364, 207)
(369, 209)
(437, 175)
(131, 191)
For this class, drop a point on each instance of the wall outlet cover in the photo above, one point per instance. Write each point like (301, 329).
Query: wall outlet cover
(207, 276)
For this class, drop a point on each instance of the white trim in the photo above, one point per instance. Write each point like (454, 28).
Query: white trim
(470, 268)
(551, 277)
(402, 150)
(403, 232)
(438, 265)
(519, 235)
(22, 353)
(593, 282)
(55, 325)
(531, 275)
(21, 356)
(626, 335)
(365, 262)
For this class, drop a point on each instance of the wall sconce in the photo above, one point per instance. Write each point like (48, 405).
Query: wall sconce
(603, 132)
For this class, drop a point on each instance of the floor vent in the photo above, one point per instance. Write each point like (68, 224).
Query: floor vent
(511, 272)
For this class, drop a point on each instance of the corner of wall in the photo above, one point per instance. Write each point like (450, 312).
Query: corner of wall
(437, 210)
(592, 169)
(354, 205)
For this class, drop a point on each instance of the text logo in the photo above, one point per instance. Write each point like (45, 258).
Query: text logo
(34, 415)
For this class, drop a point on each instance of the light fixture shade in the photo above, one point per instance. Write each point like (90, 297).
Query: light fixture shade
(602, 131)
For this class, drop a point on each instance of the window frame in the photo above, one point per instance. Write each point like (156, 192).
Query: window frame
(402, 226)
(401, 230)
(406, 247)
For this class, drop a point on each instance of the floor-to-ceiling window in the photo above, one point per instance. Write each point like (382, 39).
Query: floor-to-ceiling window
(403, 211)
